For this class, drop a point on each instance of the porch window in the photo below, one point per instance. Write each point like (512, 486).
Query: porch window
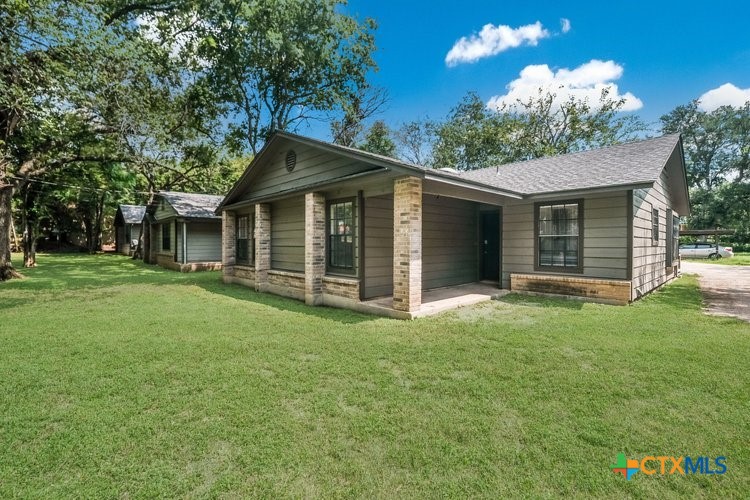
(243, 239)
(342, 235)
(166, 236)
(559, 236)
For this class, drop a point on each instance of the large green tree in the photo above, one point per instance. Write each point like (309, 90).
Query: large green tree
(81, 83)
(717, 157)
(475, 136)
(270, 64)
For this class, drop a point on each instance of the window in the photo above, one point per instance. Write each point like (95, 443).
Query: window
(166, 236)
(243, 239)
(342, 233)
(655, 226)
(559, 238)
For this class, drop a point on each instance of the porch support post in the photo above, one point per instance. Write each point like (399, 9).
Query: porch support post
(227, 242)
(407, 244)
(262, 245)
(315, 247)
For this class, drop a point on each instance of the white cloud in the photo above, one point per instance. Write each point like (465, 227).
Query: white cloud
(586, 82)
(725, 95)
(565, 25)
(493, 40)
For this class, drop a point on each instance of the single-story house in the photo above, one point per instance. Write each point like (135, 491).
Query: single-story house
(182, 231)
(128, 227)
(337, 226)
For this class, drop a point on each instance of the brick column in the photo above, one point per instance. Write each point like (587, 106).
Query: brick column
(315, 247)
(262, 245)
(228, 246)
(407, 244)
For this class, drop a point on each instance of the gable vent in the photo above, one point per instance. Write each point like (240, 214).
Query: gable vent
(291, 160)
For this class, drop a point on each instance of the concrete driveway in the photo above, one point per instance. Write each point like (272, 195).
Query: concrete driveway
(726, 289)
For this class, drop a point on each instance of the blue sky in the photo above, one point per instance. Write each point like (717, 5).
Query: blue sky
(659, 54)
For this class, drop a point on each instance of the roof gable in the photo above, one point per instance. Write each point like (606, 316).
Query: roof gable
(187, 205)
(130, 214)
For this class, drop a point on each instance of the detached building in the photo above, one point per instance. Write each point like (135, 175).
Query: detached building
(337, 226)
(128, 220)
(184, 233)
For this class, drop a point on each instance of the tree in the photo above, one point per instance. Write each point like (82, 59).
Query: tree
(368, 102)
(717, 157)
(706, 142)
(414, 141)
(475, 136)
(273, 64)
(378, 140)
(78, 84)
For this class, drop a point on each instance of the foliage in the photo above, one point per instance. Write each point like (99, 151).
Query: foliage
(368, 102)
(474, 136)
(717, 157)
(378, 140)
(272, 64)
(225, 392)
(414, 140)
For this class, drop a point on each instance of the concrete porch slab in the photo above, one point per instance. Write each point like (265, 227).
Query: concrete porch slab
(437, 300)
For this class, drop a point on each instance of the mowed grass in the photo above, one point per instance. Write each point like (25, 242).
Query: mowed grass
(125, 380)
(738, 259)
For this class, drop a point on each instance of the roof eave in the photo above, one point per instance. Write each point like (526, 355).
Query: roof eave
(590, 190)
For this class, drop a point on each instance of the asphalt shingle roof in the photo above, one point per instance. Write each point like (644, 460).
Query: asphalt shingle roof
(193, 204)
(630, 163)
(132, 214)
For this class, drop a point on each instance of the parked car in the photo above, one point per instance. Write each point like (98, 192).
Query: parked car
(705, 251)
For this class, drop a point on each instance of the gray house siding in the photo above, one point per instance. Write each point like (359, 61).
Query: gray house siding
(649, 258)
(605, 238)
(204, 241)
(378, 246)
(449, 242)
(312, 166)
(288, 234)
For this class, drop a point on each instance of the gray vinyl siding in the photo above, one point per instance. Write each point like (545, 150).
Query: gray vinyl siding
(649, 260)
(135, 232)
(605, 238)
(378, 222)
(204, 241)
(449, 242)
(288, 234)
(312, 166)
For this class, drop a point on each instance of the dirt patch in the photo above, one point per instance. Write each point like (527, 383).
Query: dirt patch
(726, 289)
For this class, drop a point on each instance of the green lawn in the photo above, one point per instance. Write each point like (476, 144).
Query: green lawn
(125, 380)
(739, 259)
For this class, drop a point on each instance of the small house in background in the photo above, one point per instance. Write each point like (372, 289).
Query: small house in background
(183, 232)
(128, 228)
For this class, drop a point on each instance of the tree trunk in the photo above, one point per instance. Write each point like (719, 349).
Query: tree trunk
(28, 242)
(6, 221)
(98, 220)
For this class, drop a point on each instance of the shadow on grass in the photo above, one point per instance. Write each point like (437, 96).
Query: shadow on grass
(82, 271)
(90, 272)
(240, 292)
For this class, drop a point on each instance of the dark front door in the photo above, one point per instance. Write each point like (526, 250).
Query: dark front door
(489, 246)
